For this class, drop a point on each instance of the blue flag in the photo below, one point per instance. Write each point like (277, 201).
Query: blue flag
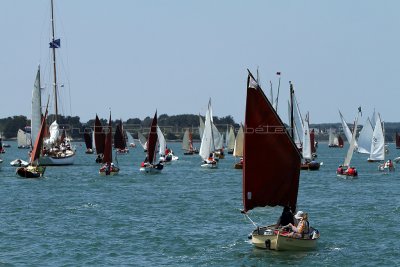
(55, 44)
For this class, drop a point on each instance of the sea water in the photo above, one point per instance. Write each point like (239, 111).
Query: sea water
(189, 216)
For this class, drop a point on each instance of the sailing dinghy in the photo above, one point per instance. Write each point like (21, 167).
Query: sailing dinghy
(87, 136)
(271, 169)
(207, 146)
(108, 168)
(238, 148)
(99, 139)
(149, 165)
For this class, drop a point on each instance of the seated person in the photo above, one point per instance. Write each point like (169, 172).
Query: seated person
(302, 228)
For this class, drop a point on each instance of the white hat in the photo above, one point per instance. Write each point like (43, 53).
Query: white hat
(299, 215)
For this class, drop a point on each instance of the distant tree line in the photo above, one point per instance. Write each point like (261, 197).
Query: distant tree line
(172, 126)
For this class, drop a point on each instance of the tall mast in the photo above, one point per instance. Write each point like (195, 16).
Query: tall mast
(54, 61)
(291, 110)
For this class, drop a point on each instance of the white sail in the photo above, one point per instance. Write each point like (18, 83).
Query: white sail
(131, 141)
(298, 123)
(238, 149)
(365, 137)
(231, 139)
(23, 138)
(346, 129)
(218, 137)
(378, 142)
(352, 145)
(306, 151)
(185, 141)
(54, 134)
(207, 141)
(331, 137)
(36, 108)
(142, 140)
(161, 141)
(93, 142)
(201, 127)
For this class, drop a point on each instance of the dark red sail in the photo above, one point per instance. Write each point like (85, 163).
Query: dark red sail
(271, 166)
(341, 142)
(152, 140)
(119, 137)
(107, 158)
(312, 141)
(88, 140)
(98, 136)
(397, 140)
(39, 140)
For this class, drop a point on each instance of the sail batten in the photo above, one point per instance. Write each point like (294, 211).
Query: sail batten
(271, 166)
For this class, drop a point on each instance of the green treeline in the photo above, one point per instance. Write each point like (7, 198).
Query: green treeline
(173, 126)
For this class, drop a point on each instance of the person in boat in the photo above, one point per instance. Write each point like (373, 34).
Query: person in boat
(340, 170)
(389, 165)
(210, 159)
(303, 228)
(351, 171)
(285, 218)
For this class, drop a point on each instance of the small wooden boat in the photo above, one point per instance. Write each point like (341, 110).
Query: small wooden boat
(281, 160)
(207, 142)
(108, 168)
(148, 165)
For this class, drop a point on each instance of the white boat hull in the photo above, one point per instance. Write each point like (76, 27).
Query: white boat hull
(19, 163)
(269, 238)
(209, 165)
(54, 161)
(150, 170)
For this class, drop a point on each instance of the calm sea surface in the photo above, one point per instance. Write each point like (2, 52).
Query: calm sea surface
(189, 216)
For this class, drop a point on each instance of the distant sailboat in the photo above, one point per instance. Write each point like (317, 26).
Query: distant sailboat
(230, 140)
(346, 129)
(108, 168)
(120, 140)
(99, 139)
(238, 149)
(23, 139)
(187, 143)
(207, 146)
(335, 140)
(149, 165)
(87, 136)
(131, 141)
(142, 141)
(270, 178)
(397, 140)
(365, 137)
(377, 143)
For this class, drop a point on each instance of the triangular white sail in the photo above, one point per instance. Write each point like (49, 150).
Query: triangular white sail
(231, 139)
(378, 142)
(36, 108)
(346, 129)
(142, 140)
(298, 123)
(201, 127)
(365, 137)
(306, 151)
(23, 138)
(352, 145)
(185, 141)
(131, 141)
(161, 141)
(238, 149)
(207, 141)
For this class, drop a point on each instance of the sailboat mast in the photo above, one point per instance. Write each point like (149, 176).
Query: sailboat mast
(291, 110)
(54, 62)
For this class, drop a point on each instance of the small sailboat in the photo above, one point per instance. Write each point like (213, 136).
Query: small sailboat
(87, 136)
(207, 146)
(120, 140)
(187, 143)
(335, 140)
(2, 150)
(365, 137)
(309, 163)
(108, 168)
(346, 129)
(346, 169)
(238, 148)
(281, 160)
(142, 141)
(23, 139)
(131, 141)
(99, 139)
(230, 140)
(149, 165)
(34, 169)
(377, 142)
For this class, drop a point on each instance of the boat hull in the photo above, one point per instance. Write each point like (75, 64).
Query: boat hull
(26, 172)
(268, 238)
(113, 172)
(209, 165)
(56, 161)
(153, 169)
(312, 166)
(238, 165)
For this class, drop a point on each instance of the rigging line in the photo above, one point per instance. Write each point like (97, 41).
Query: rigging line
(247, 216)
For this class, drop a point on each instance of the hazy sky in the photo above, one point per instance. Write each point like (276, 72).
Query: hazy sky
(138, 56)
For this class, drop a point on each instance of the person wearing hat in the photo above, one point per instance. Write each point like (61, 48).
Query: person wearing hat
(302, 227)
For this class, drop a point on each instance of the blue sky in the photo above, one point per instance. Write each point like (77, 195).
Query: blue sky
(138, 56)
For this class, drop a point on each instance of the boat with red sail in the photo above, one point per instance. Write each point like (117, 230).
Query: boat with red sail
(120, 139)
(34, 169)
(397, 140)
(99, 138)
(108, 167)
(149, 165)
(87, 136)
(270, 178)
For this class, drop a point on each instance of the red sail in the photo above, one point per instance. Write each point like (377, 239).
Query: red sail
(312, 141)
(271, 166)
(39, 139)
(98, 136)
(152, 140)
(107, 158)
(341, 143)
(88, 140)
(397, 140)
(119, 138)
